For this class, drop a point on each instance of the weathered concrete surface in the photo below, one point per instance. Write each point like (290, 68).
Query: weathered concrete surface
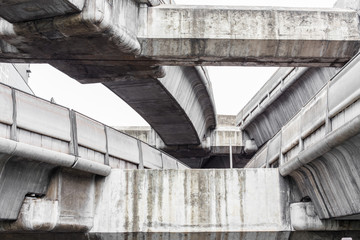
(97, 45)
(26, 10)
(37, 136)
(349, 4)
(18, 178)
(16, 76)
(333, 182)
(249, 36)
(191, 201)
(319, 147)
(304, 218)
(213, 152)
(173, 35)
(179, 106)
(170, 204)
(280, 99)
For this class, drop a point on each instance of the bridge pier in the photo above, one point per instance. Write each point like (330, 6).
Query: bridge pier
(240, 204)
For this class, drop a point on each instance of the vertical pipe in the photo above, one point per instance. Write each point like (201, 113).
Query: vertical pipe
(106, 159)
(141, 159)
(230, 153)
(13, 131)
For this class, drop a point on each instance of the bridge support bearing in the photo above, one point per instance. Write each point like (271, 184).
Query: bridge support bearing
(67, 206)
(304, 218)
(332, 181)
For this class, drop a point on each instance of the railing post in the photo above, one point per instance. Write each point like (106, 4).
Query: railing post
(230, 155)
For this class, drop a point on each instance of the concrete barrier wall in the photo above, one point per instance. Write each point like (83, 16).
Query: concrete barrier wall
(332, 107)
(41, 123)
(319, 147)
(279, 101)
(192, 201)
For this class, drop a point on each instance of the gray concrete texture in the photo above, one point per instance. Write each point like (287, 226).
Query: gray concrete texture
(133, 47)
(280, 99)
(16, 76)
(213, 150)
(249, 36)
(37, 136)
(318, 148)
(170, 204)
(98, 44)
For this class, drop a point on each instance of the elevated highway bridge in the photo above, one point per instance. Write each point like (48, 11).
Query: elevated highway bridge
(66, 176)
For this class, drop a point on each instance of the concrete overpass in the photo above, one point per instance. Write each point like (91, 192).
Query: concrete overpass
(182, 95)
(139, 204)
(279, 100)
(318, 148)
(37, 137)
(213, 152)
(121, 45)
(132, 34)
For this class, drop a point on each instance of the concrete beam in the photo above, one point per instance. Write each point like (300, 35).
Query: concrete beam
(178, 106)
(280, 99)
(149, 2)
(190, 35)
(100, 45)
(27, 10)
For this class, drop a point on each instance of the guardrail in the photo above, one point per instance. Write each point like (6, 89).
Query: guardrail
(33, 121)
(328, 119)
(271, 90)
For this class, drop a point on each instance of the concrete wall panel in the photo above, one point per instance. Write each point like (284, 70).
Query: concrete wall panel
(151, 156)
(122, 146)
(42, 117)
(90, 133)
(168, 162)
(344, 88)
(6, 105)
(192, 201)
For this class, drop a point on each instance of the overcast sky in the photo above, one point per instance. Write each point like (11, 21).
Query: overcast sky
(233, 86)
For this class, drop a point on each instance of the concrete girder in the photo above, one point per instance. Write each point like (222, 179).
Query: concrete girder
(27, 10)
(319, 147)
(280, 99)
(196, 35)
(179, 106)
(190, 35)
(98, 45)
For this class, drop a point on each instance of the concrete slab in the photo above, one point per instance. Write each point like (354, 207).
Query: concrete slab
(249, 36)
(27, 10)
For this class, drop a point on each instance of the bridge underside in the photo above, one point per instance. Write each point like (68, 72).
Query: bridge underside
(178, 35)
(123, 43)
(332, 181)
(176, 101)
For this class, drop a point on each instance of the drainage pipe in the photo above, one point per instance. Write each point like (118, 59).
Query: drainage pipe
(27, 151)
(330, 141)
(294, 75)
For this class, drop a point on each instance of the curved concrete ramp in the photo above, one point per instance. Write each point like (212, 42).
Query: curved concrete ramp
(179, 106)
(100, 45)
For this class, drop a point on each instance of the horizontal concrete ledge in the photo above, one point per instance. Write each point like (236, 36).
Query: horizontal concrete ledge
(150, 235)
(27, 151)
(308, 235)
(249, 35)
(27, 10)
(330, 141)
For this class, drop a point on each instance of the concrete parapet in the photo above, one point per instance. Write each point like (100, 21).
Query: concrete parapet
(318, 148)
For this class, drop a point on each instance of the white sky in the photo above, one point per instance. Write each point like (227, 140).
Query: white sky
(233, 86)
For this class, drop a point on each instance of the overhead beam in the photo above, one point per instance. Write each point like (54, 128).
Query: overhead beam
(213, 35)
(27, 10)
